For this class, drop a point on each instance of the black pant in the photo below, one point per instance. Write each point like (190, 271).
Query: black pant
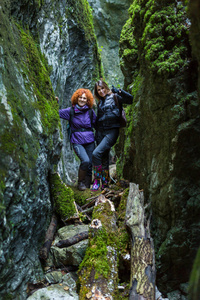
(84, 153)
(105, 140)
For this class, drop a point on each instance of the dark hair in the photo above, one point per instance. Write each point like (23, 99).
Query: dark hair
(78, 93)
(101, 83)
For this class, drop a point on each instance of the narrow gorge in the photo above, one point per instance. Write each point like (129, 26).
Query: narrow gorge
(51, 48)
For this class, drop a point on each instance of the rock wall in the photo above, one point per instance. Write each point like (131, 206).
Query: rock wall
(160, 148)
(194, 33)
(33, 34)
(67, 39)
(109, 18)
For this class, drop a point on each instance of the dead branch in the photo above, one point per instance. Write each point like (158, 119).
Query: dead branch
(73, 240)
(83, 212)
(44, 251)
(91, 203)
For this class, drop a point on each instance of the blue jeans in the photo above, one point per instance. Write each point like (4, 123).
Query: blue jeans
(105, 140)
(84, 153)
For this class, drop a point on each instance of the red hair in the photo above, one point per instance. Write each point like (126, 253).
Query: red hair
(79, 93)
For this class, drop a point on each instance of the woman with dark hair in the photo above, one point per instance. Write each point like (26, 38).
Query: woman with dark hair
(82, 120)
(107, 128)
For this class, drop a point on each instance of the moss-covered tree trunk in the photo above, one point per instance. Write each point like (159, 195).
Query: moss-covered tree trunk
(62, 197)
(142, 253)
(98, 272)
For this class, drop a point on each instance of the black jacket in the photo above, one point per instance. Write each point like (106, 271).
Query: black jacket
(108, 115)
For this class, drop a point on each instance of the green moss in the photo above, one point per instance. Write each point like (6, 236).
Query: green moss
(96, 261)
(81, 11)
(122, 206)
(15, 140)
(96, 255)
(81, 197)
(8, 296)
(38, 3)
(164, 38)
(2, 208)
(7, 142)
(100, 210)
(159, 41)
(62, 196)
(126, 140)
(35, 68)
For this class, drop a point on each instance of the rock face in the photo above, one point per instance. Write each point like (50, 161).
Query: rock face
(30, 142)
(109, 18)
(66, 37)
(160, 148)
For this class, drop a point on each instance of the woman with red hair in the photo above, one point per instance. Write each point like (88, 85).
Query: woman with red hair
(82, 136)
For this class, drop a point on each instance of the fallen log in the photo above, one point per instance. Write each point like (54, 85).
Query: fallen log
(44, 251)
(73, 240)
(98, 274)
(142, 281)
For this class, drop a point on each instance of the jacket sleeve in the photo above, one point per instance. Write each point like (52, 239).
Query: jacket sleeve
(124, 97)
(64, 113)
(94, 118)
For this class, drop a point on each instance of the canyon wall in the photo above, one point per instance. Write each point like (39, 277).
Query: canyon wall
(45, 50)
(160, 149)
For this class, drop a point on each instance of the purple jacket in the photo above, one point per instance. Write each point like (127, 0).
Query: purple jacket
(81, 119)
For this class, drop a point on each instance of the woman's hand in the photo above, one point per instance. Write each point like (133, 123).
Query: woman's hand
(114, 89)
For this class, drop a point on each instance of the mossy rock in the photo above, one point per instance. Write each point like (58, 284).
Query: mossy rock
(63, 197)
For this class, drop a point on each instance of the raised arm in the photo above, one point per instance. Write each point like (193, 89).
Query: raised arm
(64, 113)
(123, 96)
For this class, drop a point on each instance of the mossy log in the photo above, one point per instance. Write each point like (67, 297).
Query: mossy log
(44, 251)
(142, 251)
(98, 272)
(62, 197)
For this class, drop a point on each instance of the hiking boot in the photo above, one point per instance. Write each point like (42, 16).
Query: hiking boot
(81, 180)
(88, 180)
(81, 186)
(105, 179)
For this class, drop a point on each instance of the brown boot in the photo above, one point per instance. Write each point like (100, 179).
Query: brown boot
(81, 180)
(88, 180)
